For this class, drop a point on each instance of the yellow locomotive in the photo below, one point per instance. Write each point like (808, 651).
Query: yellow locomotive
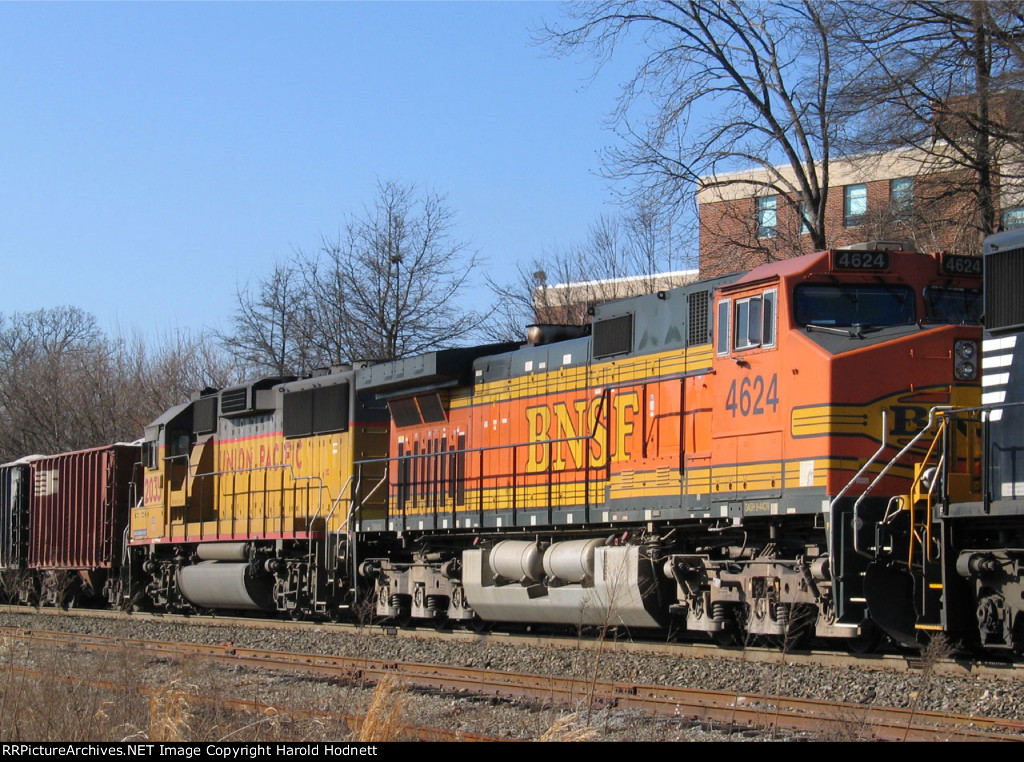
(250, 492)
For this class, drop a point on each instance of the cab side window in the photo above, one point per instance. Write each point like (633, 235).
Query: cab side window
(754, 321)
(722, 328)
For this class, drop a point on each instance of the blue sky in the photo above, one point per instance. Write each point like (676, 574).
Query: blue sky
(155, 155)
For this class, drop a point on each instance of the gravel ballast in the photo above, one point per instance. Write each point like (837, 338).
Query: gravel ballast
(924, 690)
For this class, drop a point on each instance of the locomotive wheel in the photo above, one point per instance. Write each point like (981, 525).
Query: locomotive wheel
(867, 642)
(725, 638)
(442, 623)
(479, 626)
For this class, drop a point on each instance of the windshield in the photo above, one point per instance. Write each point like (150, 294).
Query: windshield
(957, 306)
(848, 305)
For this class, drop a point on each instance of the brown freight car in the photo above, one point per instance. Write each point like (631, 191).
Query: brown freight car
(77, 518)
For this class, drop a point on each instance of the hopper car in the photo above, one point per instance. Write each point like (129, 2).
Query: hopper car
(62, 524)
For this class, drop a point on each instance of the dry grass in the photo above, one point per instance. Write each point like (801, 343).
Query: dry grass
(383, 721)
(170, 712)
(49, 694)
(571, 728)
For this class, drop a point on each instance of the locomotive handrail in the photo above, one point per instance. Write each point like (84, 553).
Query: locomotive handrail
(337, 500)
(867, 464)
(986, 422)
(915, 495)
(545, 443)
(887, 467)
(991, 407)
(353, 548)
(353, 507)
(898, 456)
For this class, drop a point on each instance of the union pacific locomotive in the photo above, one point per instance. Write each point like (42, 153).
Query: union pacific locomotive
(746, 456)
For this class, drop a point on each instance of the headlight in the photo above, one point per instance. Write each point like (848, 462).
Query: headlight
(965, 371)
(964, 353)
(966, 350)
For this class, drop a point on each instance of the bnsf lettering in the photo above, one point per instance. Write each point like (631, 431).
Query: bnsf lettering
(908, 419)
(583, 426)
(261, 456)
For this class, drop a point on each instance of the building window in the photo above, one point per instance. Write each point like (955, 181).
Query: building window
(855, 205)
(901, 196)
(1013, 219)
(767, 218)
(804, 227)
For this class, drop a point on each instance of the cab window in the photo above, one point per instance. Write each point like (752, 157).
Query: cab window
(956, 306)
(754, 321)
(722, 328)
(844, 305)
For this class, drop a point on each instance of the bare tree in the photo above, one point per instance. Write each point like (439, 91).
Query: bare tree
(734, 85)
(390, 284)
(943, 78)
(64, 385)
(43, 356)
(271, 331)
(151, 376)
(622, 256)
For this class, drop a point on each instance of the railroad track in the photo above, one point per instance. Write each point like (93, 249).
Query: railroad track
(901, 662)
(262, 709)
(719, 708)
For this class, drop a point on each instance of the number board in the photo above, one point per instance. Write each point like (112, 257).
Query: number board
(860, 260)
(957, 264)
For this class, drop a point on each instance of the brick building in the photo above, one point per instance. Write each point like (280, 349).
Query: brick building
(904, 195)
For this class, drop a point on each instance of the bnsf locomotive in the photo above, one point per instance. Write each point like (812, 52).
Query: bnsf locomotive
(744, 456)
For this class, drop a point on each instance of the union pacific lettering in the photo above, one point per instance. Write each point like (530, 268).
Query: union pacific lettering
(581, 424)
(242, 456)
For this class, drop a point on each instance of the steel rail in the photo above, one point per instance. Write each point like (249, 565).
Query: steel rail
(732, 709)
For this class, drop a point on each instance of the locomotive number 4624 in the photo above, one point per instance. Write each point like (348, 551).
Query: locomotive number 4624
(751, 396)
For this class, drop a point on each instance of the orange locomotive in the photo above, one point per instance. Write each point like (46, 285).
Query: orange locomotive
(719, 457)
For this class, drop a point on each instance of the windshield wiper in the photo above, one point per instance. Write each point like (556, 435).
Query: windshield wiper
(855, 331)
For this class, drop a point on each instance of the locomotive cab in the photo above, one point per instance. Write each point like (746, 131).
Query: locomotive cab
(827, 368)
